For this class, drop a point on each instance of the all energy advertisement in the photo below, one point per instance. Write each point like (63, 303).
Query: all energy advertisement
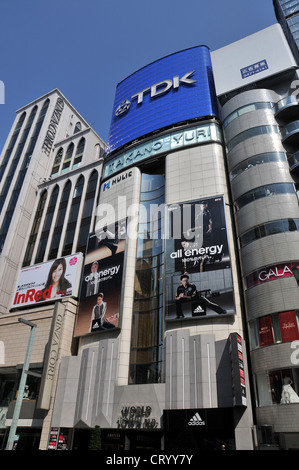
(198, 273)
(101, 285)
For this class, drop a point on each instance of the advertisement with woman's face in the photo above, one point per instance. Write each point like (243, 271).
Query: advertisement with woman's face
(48, 281)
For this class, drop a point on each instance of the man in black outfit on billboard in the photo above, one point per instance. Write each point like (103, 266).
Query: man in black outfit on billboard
(186, 292)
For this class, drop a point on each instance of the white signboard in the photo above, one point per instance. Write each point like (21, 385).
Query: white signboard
(52, 280)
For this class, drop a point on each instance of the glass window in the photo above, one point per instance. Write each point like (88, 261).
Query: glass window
(79, 153)
(278, 387)
(11, 144)
(57, 161)
(73, 216)
(257, 160)
(47, 225)
(60, 221)
(25, 164)
(35, 229)
(87, 212)
(264, 191)
(67, 159)
(78, 127)
(279, 327)
(253, 132)
(146, 346)
(246, 109)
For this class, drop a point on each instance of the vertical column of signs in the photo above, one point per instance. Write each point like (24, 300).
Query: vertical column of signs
(101, 286)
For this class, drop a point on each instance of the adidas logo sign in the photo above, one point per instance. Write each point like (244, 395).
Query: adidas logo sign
(196, 421)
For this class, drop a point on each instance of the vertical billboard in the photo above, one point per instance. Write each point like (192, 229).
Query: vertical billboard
(52, 280)
(174, 89)
(101, 284)
(197, 261)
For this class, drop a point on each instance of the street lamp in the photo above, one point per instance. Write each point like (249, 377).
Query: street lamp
(16, 414)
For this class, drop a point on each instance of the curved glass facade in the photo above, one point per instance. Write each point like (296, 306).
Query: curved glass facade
(267, 190)
(147, 340)
(269, 157)
(269, 228)
(253, 132)
(246, 109)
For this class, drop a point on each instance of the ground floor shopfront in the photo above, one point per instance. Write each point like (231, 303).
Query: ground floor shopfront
(181, 430)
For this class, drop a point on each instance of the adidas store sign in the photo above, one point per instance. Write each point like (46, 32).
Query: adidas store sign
(196, 421)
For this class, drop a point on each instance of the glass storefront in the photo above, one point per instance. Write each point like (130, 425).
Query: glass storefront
(278, 387)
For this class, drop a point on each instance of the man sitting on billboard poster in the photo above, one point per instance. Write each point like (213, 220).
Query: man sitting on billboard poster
(98, 314)
(186, 292)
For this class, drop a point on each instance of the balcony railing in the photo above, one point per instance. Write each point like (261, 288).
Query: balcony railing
(287, 108)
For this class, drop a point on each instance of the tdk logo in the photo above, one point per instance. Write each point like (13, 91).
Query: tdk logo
(156, 90)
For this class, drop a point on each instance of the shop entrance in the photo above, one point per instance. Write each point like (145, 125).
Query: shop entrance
(199, 429)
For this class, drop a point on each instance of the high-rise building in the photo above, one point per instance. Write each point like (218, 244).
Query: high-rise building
(180, 327)
(50, 172)
(287, 14)
(256, 83)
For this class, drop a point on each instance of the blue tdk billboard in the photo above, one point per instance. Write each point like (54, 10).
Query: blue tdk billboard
(176, 88)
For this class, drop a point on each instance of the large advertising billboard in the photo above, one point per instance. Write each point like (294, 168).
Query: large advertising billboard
(197, 262)
(101, 284)
(52, 280)
(174, 89)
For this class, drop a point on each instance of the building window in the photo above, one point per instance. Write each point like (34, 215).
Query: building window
(253, 132)
(73, 218)
(78, 127)
(87, 212)
(23, 170)
(16, 158)
(35, 228)
(57, 161)
(11, 144)
(277, 328)
(267, 190)
(60, 221)
(260, 159)
(146, 338)
(79, 153)
(278, 387)
(246, 109)
(67, 159)
(270, 228)
(47, 226)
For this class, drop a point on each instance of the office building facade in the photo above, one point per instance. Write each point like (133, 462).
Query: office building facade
(287, 14)
(259, 112)
(50, 172)
(151, 372)
(199, 178)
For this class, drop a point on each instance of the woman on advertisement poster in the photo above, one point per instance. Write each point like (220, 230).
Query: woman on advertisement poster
(56, 281)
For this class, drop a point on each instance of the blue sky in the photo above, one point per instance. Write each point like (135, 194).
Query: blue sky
(85, 48)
